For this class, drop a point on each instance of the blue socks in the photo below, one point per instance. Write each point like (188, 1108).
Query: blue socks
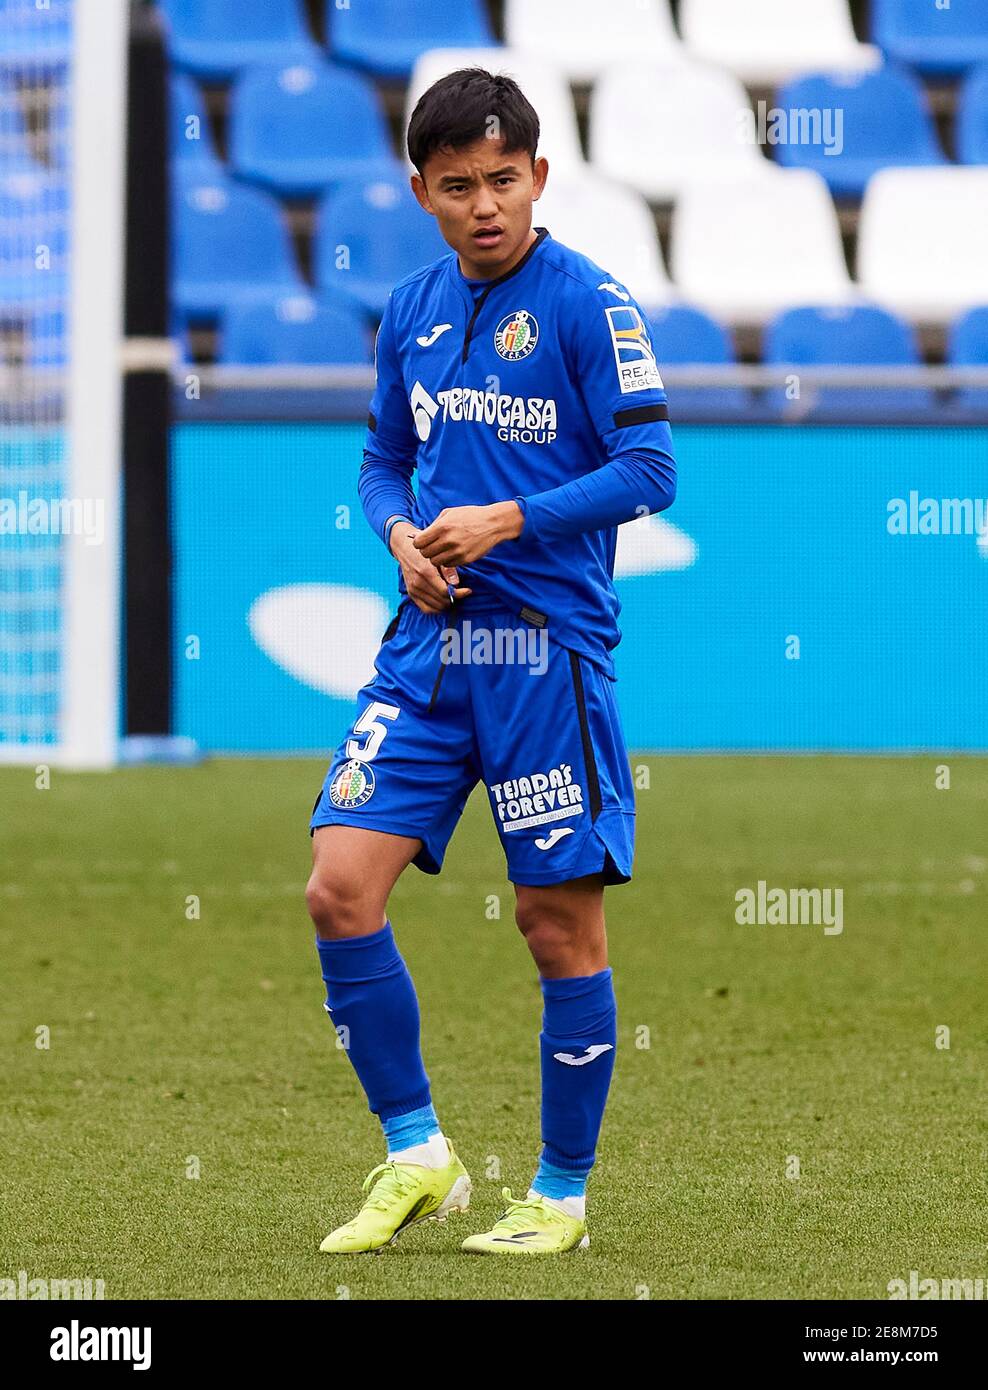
(578, 1038)
(408, 1131)
(372, 1004)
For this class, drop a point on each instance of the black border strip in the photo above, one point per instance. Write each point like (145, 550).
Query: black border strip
(640, 415)
(589, 758)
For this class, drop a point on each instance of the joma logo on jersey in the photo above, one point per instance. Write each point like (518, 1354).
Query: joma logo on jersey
(636, 367)
(538, 800)
(519, 419)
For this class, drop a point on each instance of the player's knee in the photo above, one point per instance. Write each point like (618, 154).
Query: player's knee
(547, 927)
(337, 901)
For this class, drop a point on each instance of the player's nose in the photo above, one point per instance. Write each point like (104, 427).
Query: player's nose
(485, 205)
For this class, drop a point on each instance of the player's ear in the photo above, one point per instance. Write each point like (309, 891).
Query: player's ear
(421, 193)
(540, 172)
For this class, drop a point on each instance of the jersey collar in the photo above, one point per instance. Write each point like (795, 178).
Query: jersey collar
(474, 306)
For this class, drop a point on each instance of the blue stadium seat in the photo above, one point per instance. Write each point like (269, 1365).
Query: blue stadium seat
(682, 335)
(885, 122)
(38, 38)
(47, 342)
(931, 38)
(191, 138)
(967, 346)
(972, 118)
(34, 237)
(301, 128)
(860, 335)
(231, 246)
(385, 39)
(215, 38)
(371, 235)
(297, 329)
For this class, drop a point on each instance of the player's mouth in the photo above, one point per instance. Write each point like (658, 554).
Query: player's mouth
(488, 236)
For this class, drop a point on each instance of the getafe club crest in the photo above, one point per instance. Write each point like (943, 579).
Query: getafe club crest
(516, 336)
(352, 786)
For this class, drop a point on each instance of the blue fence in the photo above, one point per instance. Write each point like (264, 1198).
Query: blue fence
(808, 590)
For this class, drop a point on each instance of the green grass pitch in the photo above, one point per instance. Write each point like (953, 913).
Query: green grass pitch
(178, 1044)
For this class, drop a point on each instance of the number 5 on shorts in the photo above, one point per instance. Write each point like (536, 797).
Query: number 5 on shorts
(369, 723)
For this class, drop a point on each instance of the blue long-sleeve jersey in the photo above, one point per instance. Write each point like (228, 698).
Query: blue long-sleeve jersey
(539, 386)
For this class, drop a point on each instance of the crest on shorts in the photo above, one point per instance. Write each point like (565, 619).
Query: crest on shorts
(352, 786)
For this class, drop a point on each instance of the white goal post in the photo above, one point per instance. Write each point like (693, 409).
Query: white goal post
(60, 411)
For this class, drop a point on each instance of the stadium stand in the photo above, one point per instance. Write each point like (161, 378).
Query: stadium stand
(585, 37)
(297, 329)
(34, 212)
(858, 335)
(301, 128)
(46, 339)
(231, 247)
(746, 250)
(884, 122)
(747, 227)
(542, 82)
(967, 346)
(937, 40)
(638, 135)
(684, 336)
(191, 140)
(614, 226)
(386, 39)
(213, 39)
(771, 41)
(921, 243)
(371, 235)
(972, 118)
(15, 146)
(35, 37)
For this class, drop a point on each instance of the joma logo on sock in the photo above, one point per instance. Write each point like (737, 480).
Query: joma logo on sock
(591, 1053)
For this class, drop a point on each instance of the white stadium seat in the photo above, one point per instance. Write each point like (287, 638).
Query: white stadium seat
(659, 127)
(584, 36)
(923, 241)
(610, 224)
(543, 84)
(746, 250)
(767, 42)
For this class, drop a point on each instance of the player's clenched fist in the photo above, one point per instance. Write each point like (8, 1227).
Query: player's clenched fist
(460, 535)
(427, 584)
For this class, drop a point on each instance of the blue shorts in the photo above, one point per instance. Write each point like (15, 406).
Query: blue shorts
(482, 695)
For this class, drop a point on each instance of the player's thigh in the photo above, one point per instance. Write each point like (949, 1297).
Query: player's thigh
(353, 873)
(360, 863)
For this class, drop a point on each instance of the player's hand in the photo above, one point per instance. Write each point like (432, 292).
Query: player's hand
(427, 584)
(460, 535)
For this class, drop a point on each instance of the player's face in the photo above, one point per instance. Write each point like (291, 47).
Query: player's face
(482, 197)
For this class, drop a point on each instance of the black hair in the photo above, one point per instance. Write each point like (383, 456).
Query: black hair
(456, 111)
